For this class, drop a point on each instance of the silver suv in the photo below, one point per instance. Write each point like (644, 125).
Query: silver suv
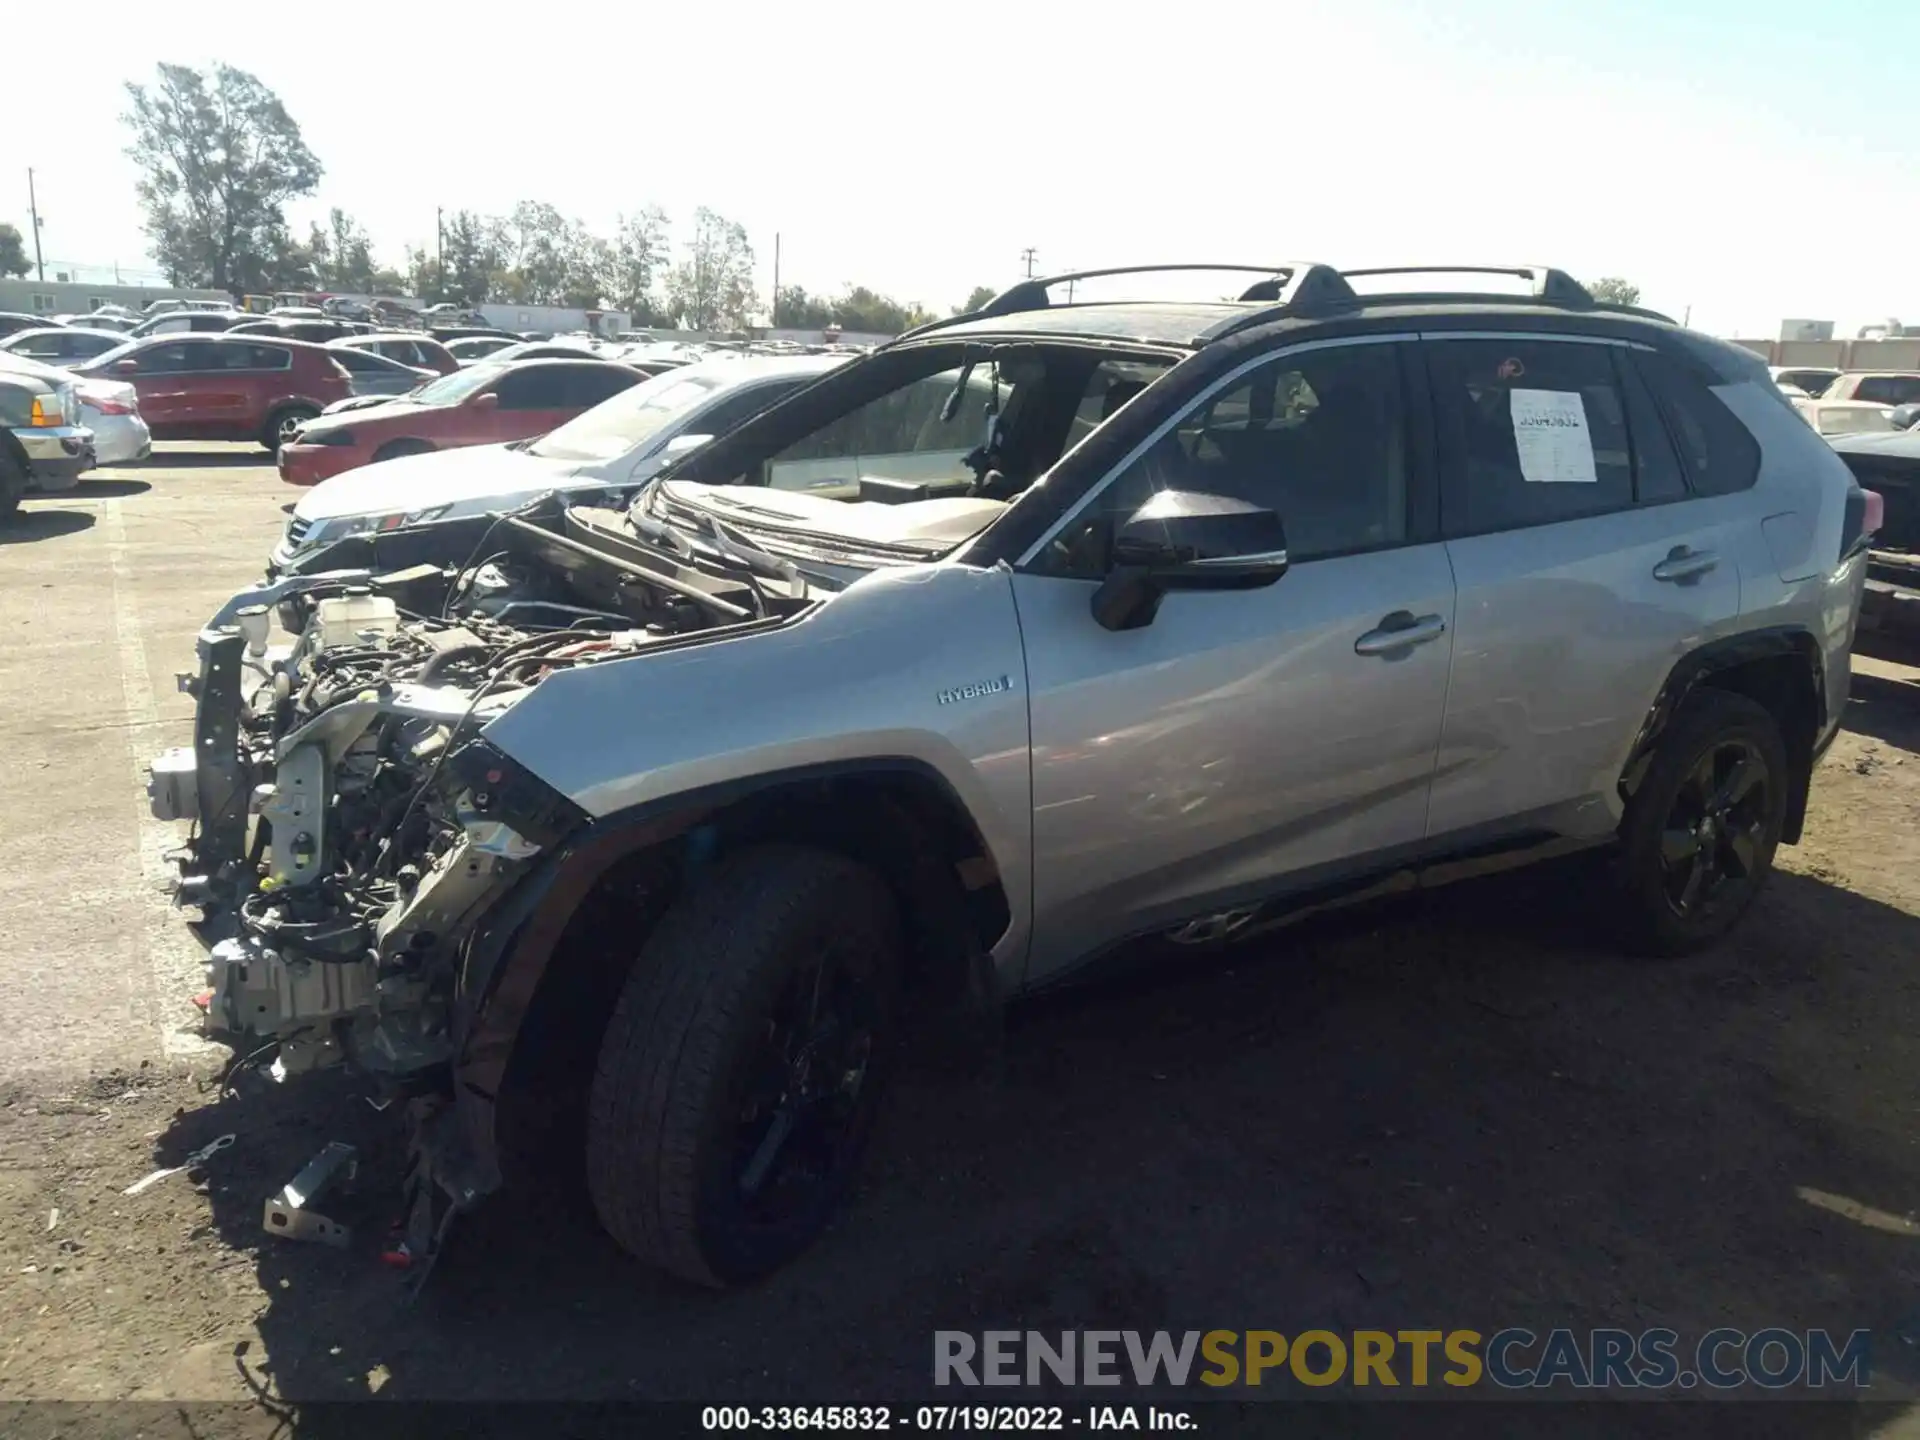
(647, 824)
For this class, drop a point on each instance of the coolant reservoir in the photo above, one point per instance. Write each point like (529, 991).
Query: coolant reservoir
(358, 617)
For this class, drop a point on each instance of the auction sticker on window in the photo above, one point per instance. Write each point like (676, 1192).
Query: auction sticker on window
(1550, 432)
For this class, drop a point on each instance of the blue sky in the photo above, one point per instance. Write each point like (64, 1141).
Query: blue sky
(1749, 161)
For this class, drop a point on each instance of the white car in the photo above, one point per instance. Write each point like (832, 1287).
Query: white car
(1844, 417)
(621, 441)
(109, 408)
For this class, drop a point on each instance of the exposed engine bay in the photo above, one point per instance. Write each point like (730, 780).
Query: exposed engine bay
(345, 815)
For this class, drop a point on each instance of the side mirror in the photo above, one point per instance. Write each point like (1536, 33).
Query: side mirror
(681, 444)
(125, 367)
(489, 400)
(1182, 540)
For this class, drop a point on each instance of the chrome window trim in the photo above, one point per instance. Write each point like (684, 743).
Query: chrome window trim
(1159, 432)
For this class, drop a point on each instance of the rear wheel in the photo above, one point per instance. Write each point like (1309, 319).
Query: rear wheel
(394, 449)
(13, 484)
(738, 1078)
(1699, 834)
(283, 424)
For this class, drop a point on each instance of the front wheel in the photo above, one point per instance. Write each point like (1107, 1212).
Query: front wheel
(284, 424)
(738, 1078)
(1699, 834)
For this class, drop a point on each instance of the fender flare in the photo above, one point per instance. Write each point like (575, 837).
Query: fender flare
(1698, 666)
(506, 955)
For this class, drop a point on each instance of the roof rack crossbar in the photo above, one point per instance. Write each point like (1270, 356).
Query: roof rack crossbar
(1544, 283)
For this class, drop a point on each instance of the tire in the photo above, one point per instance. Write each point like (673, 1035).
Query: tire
(394, 449)
(689, 1163)
(1698, 837)
(282, 423)
(13, 485)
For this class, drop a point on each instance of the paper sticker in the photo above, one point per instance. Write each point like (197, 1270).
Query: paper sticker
(1550, 432)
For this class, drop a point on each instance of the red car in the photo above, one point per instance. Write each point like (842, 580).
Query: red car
(225, 387)
(482, 405)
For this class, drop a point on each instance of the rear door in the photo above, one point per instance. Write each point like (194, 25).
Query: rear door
(163, 380)
(1586, 568)
(1243, 743)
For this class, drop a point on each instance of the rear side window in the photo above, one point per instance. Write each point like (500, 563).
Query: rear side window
(538, 387)
(1889, 389)
(1535, 432)
(259, 357)
(587, 385)
(1717, 452)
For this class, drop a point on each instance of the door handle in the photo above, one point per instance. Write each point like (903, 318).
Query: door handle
(1399, 631)
(1682, 565)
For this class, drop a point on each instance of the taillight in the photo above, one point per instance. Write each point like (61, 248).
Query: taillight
(1866, 513)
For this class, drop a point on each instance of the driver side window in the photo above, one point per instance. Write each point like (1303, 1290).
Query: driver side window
(1318, 436)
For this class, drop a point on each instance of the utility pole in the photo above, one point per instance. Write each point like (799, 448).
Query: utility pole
(33, 209)
(439, 250)
(1027, 255)
(776, 280)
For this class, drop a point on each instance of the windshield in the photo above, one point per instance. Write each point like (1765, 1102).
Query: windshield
(452, 389)
(617, 426)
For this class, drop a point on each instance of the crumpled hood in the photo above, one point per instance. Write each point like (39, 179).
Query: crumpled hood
(476, 473)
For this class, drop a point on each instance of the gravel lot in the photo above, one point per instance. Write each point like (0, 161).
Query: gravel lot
(1467, 1111)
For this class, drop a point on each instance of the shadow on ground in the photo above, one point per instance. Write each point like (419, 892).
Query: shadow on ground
(1469, 1111)
(178, 459)
(1886, 708)
(36, 523)
(94, 487)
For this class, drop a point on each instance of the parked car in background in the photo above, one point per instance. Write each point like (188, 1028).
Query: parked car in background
(421, 351)
(375, 377)
(43, 445)
(1879, 387)
(62, 344)
(12, 322)
(544, 350)
(1904, 417)
(482, 404)
(112, 320)
(225, 387)
(1844, 417)
(466, 349)
(182, 322)
(1812, 379)
(316, 332)
(621, 441)
(108, 408)
(1889, 465)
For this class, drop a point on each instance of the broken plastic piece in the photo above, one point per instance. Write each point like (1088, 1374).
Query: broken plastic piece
(289, 1214)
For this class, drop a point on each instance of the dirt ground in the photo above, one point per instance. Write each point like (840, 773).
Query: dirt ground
(1466, 1111)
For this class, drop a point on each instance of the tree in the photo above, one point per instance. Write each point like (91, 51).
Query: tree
(1615, 291)
(976, 297)
(713, 287)
(470, 248)
(13, 252)
(342, 255)
(794, 309)
(639, 254)
(219, 157)
(865, 311)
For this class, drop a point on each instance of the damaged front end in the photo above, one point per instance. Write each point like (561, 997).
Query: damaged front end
(351, 826)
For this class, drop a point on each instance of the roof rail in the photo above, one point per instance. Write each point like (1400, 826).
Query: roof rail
(1303, 279)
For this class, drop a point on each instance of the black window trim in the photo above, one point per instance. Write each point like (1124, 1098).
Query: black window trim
(1626, 373)
(1413, 384)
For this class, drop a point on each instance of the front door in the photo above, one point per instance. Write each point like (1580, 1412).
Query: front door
(1244, 743)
